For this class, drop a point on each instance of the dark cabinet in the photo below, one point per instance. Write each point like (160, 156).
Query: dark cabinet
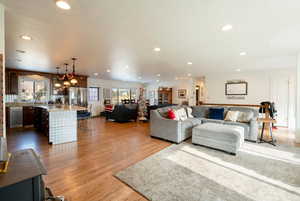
(41, 120)
(11, 83)
(7, 117)
(165, 96)
(12, 75)
(23, 181)
(28, 115)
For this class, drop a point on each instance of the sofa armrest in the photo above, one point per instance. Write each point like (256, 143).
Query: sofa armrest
(253, 132)
(164, 128)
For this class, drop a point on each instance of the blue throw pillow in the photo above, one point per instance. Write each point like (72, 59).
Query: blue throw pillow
(216, 113)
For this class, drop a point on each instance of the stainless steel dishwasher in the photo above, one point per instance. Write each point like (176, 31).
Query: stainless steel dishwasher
(16, 117)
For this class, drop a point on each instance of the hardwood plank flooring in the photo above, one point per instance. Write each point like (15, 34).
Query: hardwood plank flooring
(83, 170)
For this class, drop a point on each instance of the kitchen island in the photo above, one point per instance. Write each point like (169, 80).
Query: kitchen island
(59, 123)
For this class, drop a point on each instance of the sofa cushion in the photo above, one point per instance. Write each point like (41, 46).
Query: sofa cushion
(245, 117)
(188, 125)
(193, 121)
(204, 120)
(216, 113)
(181, 114)
(189, 112)
(200, 111)
(245, 109)
(232, 116)
(244, 125)
(163, 111)
(171, 114)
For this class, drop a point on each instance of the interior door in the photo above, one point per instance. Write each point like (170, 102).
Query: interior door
(280, 95)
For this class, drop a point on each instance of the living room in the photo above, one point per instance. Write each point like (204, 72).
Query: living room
(140, 100)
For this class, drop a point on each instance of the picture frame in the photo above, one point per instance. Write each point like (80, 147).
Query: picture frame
(182, 93)
(236, 88)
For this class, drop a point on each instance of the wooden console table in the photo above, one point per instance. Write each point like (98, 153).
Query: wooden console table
(23, 179)
(267, 124)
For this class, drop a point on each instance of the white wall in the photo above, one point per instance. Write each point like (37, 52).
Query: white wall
(298, 102)
(97, 107)
(2, 33)
(260, 88)
(188, 84)
(2, 51)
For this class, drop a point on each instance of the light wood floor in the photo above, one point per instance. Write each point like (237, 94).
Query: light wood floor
(83, 171)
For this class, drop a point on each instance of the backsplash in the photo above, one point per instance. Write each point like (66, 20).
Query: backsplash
(13, 98)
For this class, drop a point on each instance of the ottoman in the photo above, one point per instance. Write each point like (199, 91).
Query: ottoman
(227, 138)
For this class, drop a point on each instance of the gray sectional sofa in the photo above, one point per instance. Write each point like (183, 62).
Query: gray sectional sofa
(178, 131)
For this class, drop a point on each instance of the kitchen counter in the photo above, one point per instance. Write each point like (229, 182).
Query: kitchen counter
(56, 108)
(48, 107)
(58, 122)
(20, 104)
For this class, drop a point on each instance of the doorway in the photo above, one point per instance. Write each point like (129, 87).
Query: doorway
(280, 95)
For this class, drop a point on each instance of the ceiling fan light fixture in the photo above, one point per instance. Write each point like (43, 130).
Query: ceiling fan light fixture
(63, 4)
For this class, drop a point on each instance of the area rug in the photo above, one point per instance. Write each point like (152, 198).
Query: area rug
(187, 172)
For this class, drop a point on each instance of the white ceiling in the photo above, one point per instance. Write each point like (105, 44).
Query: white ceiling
(116, 33)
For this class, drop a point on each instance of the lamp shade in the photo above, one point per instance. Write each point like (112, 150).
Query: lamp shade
(74, 81)
(67, 83)
(57, 85)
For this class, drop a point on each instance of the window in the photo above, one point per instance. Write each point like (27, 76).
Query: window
(114, 94)
(34, 89)
(93, 94)
(122, 94)
(106, 93)
(133, 94)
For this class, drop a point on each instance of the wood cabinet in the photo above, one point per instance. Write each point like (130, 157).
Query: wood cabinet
(7, 117)
(12, 76)
(165, 96)
(11, 82)
(28, 115)
(41, 120)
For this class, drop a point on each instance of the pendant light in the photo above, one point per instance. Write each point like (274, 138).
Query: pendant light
(57, 84)
(74, 81)
(66, 79)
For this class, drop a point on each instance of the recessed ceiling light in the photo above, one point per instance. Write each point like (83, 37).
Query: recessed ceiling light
(96, 74)
(158, 75)
(21, 51)
(243, 53)
(227, 27)
(63, 4)
(189, 74)
(139, 78)
(157, 49)
(108, 70)
(157, 80)
(189, 63)
(126, 67)
(238, 70)
(25, 37)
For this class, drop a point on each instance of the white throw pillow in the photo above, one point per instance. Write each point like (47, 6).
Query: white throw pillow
(189, 112)
(181, 114)
(245, 117)
(232, 116)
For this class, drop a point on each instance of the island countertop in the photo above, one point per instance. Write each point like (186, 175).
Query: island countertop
(56, 108)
